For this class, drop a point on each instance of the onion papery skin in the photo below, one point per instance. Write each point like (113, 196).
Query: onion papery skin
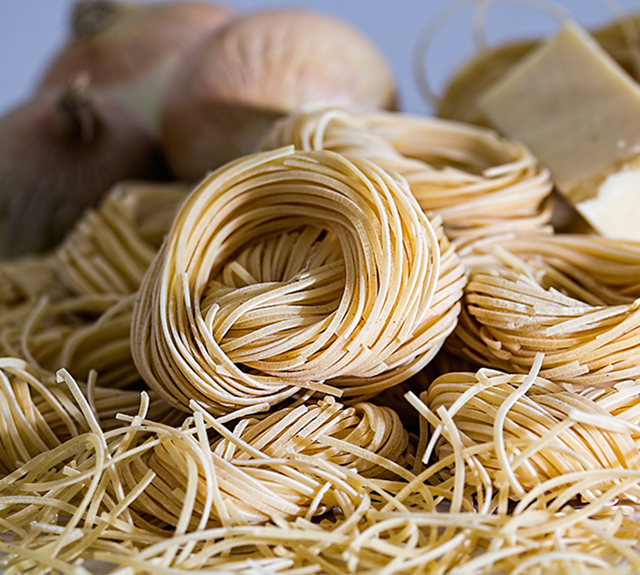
(51, 170)
(258, 67)
(133, 55)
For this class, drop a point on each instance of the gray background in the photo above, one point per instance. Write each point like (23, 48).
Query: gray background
(31, 31)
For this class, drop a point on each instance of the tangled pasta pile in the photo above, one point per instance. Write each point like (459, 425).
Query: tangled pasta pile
(478, 182)
(573, 298)
(294, 270)
(79, 500)
(253, 474)
(529, 431)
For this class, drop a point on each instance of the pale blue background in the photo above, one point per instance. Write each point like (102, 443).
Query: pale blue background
(31, 30)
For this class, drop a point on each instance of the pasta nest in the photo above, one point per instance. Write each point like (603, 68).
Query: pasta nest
(73, 307)
(80, 332)
(534, 437)
(111, 246)
(574, 298)
(479, 183)
(294, 270)
(268, 467)
(37, 414)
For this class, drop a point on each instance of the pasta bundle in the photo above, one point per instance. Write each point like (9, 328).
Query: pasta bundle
(38, 415)
(478, 182)
(574, 298)
(527, 431)
(81, 333)
(260, 471)
(25, 280)
(73, 505)
(294, 270)
(67, 309)
(111, 246)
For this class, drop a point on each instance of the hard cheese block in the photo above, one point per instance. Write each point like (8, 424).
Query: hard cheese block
(579, 112)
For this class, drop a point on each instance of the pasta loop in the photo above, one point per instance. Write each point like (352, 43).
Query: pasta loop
(289, 270)
(478, 182)
(574, 298)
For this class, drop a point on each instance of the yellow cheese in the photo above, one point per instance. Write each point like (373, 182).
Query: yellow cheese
(579, 112)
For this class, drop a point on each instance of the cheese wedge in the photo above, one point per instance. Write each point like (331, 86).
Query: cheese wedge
(579, 112)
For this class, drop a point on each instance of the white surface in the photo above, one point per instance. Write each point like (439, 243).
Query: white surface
(31, 31)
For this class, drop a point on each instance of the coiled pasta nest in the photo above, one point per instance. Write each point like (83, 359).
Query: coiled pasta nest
(532, 435)
(111, 247)
(294, 270)
(574, 298)
(478, 182)
(73, 307)
(264, 468)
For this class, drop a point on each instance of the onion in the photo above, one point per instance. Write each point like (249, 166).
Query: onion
(256, 68)
(130, 50)
(59, 153)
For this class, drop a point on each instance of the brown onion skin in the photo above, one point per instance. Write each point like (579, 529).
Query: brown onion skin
(135, 42)
(256, 68)
(57, 161)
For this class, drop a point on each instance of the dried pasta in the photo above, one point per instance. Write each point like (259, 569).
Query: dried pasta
(294, 270)
(73, 308)
(111, 246)
(37, 415)
(73, 505)
(81, 333)
(27, 279)
(547, 433)
(291, 278)
(251, 471)
(477, 182)
(574, 298)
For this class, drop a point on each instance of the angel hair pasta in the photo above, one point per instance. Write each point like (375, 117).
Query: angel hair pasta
(478, 182)
(574, 298)
(289, 270)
